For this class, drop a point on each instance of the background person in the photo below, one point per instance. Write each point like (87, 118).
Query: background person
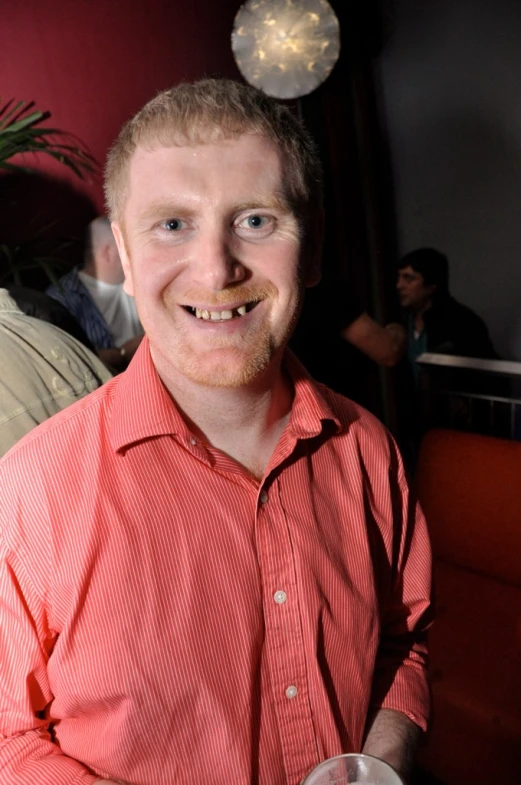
(48, 309)
(42, 371)
(95, 296)
(236, 583)
(338, 341)
(436, 322)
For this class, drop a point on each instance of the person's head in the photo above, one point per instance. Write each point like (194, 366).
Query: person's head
(214, 190)
(423, 275)
(100, 252)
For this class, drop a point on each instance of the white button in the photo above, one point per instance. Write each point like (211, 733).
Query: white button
(291, 692)
(280, 597)
(193, 441)
(263, 497)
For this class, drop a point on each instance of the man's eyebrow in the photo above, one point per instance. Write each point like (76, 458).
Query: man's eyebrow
(272, 202)
(159, 211)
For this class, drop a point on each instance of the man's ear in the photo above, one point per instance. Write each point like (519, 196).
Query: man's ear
(128, 284)
(314, 237)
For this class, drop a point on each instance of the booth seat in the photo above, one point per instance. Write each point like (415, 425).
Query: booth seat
(470, 489)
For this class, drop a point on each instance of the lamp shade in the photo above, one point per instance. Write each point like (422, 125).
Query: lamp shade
(287, 48)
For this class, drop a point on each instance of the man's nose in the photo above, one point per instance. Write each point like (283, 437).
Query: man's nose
(216, 266)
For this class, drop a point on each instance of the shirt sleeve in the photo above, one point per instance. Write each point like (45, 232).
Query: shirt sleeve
(400, 678)
(27, 753)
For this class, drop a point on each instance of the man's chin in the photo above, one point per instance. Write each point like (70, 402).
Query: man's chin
(227, 372)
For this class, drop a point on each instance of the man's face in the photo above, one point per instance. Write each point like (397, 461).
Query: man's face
(212, 254)
(414, 294)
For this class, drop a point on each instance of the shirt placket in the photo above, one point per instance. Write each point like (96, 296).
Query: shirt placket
(284, 641)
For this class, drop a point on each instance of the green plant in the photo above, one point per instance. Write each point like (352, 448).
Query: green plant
(21, 132)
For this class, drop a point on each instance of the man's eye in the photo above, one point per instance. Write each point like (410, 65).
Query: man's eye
(255, 222)
(173, 224)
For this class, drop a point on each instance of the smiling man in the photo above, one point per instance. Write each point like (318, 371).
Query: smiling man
(211, 568)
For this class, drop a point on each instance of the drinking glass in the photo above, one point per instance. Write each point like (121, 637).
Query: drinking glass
(353, 769)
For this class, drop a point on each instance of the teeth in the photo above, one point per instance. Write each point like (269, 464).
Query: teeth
(219, 316)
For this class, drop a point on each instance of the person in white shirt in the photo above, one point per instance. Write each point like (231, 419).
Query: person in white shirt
(94, 294)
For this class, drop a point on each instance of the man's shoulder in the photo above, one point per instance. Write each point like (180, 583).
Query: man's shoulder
(458, 309)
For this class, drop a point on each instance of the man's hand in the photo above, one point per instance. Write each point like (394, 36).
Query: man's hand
(118, 359)
(131, 346)
(384, 345)
(394, 738)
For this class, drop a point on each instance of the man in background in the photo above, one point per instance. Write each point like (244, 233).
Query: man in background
(436, 322)
(95, 296)
(42, 371)
(336, 338)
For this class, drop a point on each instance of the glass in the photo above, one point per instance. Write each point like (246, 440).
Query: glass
(353, 769)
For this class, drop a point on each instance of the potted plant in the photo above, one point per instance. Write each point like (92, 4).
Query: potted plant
(22, 131)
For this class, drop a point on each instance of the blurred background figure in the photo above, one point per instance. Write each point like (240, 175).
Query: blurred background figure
(337, 340)
(42, 370)
(94, 295)
(385, 345)
(48, 309)
(436, 322)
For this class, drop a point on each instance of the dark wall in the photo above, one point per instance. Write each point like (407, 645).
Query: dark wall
(450, 77)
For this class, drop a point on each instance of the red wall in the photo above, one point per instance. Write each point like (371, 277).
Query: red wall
(92, 64)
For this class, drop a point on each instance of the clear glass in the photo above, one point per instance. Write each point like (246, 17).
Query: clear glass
(353, 769)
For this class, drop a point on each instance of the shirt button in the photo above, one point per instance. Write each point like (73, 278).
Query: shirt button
(193, 441)
(263, 497)
(291, 692)
(280, 597)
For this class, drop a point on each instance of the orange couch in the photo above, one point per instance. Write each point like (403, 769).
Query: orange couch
(470, 490)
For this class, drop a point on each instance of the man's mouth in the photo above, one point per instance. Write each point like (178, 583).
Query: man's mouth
(221, 316)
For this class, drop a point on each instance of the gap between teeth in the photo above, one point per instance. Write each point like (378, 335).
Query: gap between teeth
(219, 316)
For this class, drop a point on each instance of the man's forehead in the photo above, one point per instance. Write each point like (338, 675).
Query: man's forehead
(158, 146)
(249, 166)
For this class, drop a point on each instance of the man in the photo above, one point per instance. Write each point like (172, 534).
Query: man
(235, 584)
(338, 342)
(42, 371)
(40, 306)
(95, 296)
(436, 321)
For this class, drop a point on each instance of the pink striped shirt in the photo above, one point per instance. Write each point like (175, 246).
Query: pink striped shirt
(165, 618)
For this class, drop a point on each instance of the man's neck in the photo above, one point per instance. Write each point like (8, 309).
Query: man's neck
(417, 316)
(245, 423)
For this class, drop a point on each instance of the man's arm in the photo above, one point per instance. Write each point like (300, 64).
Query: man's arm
(384, 345)
(394, 738)
(400, 699)
(27, 753)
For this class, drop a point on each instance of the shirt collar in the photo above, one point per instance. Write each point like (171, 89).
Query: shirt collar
(310, 410)
(142, 407)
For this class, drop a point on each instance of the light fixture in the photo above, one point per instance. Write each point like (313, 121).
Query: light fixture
(287, 48)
